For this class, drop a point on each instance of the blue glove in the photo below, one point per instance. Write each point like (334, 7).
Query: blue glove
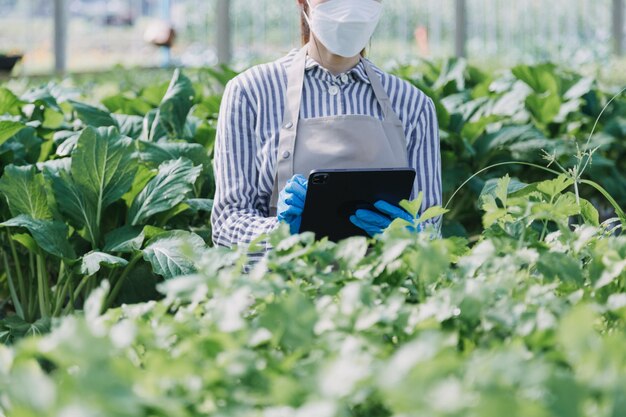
(374, 223)
(291, 202)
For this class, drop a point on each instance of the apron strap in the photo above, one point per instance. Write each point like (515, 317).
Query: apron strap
(381, 95)
(295, 85)
(291, 117)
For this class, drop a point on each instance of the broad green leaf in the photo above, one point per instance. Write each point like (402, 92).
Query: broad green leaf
(67, 143)
(166, 253)
(25, 240)
(556, 186)
(151, 232)
(61, 136)
(530, 149)
(152, 130)
(589, 213)
(613, 266)
(8, 129)
(55, 165)
(502, 190)
(9, 103)
(141, 286)
(72, 202)
(473, 130)
(566, 205)
(505, 138)
(541, 78)
(125, 239)
(154, 94)
(25, 192)
(142, 177)
(493, 213)
(93, 116)
(46, 151)
(298, 330)
(52, 119)
(452, 76)
(93, 261)
(209, 107)
(544, 107)
(351, 251)
(19, 327)
(166, 216)
(200, 204)
(157, 153)
(130, 126)
(22, 149)
(102, 166)
(555, 265)
(413, 207)
(431, 213)
(42, 96)
(51, 236)
(170, 187)
(561, 209)
(568, 108)
(577, 335)
(580, 89)
(222, 74)
(127, 105)
(175, 106)
(512, 101)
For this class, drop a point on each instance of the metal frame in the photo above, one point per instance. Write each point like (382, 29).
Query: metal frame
(460, 33)
(224, 33)
(60, 35)
(618, 27)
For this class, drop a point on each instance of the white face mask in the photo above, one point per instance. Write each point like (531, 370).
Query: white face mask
(345, 26)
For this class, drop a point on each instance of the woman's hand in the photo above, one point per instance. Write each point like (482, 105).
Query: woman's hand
(374, 223)
(291, 202)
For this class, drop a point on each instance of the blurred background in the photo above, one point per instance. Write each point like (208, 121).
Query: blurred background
(96, 35)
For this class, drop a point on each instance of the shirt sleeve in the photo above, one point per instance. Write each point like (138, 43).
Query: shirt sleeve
(425, 156)
(238, 216)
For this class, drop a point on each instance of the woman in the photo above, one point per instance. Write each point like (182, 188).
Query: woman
(322, 106)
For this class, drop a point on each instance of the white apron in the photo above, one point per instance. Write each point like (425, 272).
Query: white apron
(335, 142)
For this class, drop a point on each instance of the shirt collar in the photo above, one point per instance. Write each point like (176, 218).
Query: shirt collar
(358, 72)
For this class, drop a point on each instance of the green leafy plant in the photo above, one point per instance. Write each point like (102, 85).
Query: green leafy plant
(529, 321)
(109, 195)
(519, 115)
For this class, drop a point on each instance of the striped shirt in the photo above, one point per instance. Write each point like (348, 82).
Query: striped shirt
(248, 130)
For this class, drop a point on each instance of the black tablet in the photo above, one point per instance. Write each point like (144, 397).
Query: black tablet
(333, 195)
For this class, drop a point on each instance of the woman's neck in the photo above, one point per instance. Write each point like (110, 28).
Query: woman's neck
(334, 63)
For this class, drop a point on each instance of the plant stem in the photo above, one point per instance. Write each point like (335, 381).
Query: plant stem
(18, 271)
(70, 305)
(605, 193)
(84, 281)
(580, 169)
(60, 284)
(118, 285)
(61, 294)
(32, 286)
(42, 288)
(544, 231)
(14, 297)
(74, 294)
